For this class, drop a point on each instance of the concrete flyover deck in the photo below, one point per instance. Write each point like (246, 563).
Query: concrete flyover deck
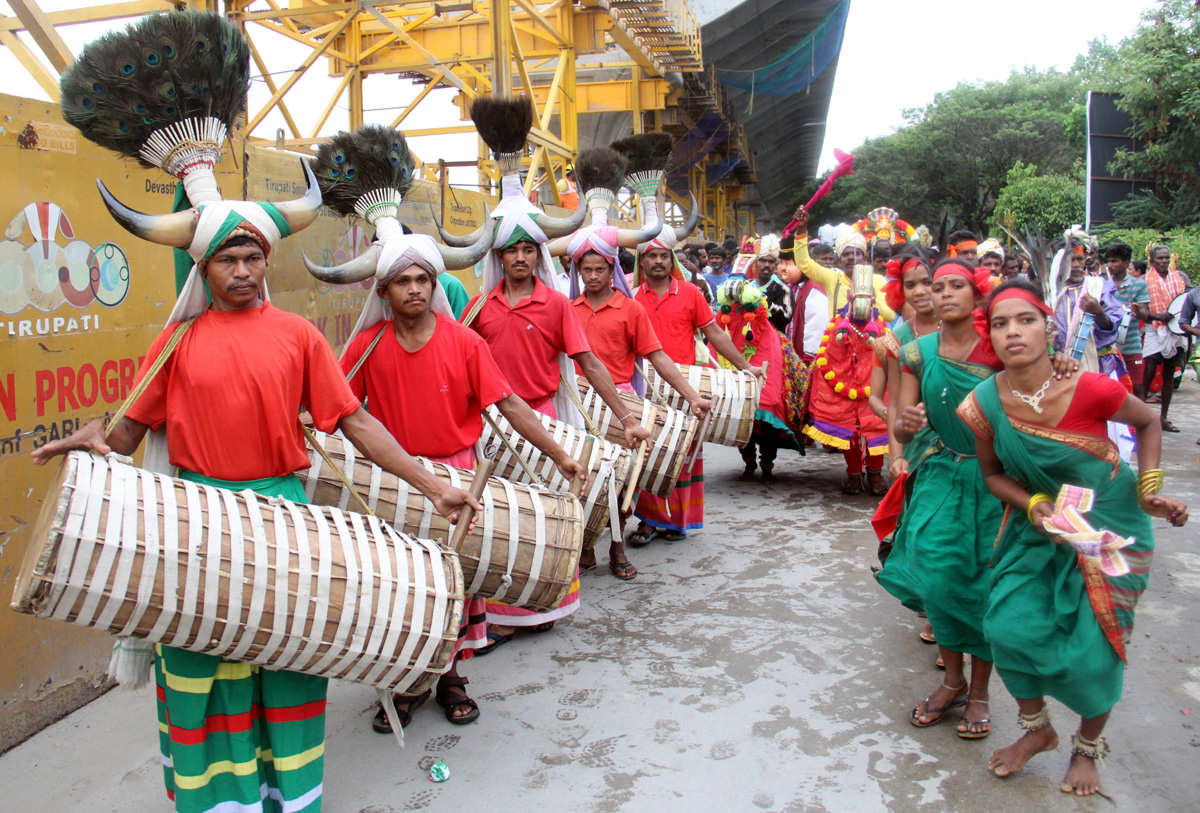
(755, 666)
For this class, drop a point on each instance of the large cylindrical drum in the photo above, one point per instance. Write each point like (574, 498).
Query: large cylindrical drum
(672, 433)
(734, 395)
(523, 550)
(302, 588)
(608, 468)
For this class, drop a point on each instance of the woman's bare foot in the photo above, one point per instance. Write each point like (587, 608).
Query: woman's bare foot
(1083, 778)
(1008, 761)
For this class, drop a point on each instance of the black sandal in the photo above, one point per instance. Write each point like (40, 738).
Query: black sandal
(382, 725)
(450, 701)
(639, 537)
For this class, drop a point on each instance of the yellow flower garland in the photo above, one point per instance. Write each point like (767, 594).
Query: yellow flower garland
(838, 386)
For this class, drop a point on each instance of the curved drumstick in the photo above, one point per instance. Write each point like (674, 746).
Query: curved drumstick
(483, 470)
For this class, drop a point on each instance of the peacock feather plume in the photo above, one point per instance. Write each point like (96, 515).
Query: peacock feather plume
(649, 157)
(366, 172)
(168, 81)
(504, 124)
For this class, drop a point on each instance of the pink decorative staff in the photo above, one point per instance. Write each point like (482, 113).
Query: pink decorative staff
(845, 166)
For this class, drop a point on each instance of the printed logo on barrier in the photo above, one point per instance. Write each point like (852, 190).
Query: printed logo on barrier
(352, 243)
(47, 273)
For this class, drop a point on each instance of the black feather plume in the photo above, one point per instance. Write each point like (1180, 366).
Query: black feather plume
(646, 152)
(600, 168)
(503, 123)
(352, 165)
(163, 69)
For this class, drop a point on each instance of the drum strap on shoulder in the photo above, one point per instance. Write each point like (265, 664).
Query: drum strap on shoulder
(363, 358)
(154, 370)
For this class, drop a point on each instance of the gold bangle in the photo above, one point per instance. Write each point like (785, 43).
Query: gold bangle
(1034, 502)
(1149, 483)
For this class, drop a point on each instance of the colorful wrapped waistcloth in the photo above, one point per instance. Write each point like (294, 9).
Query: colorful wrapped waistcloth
(235, 736)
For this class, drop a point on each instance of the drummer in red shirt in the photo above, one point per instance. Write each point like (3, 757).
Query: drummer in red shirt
(619, 331)
(533, 335)
(428, 379)
(676, 310)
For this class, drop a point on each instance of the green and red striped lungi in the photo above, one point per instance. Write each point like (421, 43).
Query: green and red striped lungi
(235, 737)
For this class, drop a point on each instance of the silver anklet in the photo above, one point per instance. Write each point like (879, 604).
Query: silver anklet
(1095, 750)
(1037, 720)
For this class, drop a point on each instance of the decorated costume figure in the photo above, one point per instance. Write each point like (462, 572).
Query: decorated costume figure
(527, 322)
(839, 414)
(225, 404)
(745, 315)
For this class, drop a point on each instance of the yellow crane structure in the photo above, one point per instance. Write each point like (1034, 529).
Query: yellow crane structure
(642, 58)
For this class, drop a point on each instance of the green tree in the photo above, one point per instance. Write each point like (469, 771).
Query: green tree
(1051, 201)
(1156, 71)
(953, 155)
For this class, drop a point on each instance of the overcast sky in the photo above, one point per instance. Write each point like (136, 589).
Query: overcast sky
(898, 55)
(895, 56)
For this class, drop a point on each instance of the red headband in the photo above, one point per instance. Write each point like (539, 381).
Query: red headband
(965, 245)
(893, 289)
(980, 278)
(1019, 293)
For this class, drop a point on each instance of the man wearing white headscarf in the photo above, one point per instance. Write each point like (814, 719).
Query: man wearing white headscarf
(779, 298)
(428, 379)
(620, 334)
(534, 335)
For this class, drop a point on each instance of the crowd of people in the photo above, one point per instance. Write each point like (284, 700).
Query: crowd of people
(1009, 516)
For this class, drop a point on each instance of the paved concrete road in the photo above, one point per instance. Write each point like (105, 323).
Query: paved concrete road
(756, 665)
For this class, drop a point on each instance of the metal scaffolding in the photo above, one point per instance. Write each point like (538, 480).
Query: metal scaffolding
(571, 57)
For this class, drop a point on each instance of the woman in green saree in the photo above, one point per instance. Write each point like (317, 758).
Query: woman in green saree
(1056, 622)
(950, 520)
(909, 286)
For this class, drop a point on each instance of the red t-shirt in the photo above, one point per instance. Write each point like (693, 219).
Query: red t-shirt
(429, 400)
(231, 393)
(1096, 399)
(526, 339)
(676, 317)
(617, 332)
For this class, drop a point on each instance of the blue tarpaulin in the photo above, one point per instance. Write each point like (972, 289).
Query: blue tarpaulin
(800, 65)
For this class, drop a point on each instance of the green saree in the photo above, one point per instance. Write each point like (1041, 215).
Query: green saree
(915, 451)
(939, 559)
(1057, 625)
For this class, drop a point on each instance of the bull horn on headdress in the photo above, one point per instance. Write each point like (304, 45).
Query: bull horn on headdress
(355, 270)
(562, 226)
(177, 229)
(458, 240)
(689, 226)
(630, 238)
(456, 257)
(301, 212)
